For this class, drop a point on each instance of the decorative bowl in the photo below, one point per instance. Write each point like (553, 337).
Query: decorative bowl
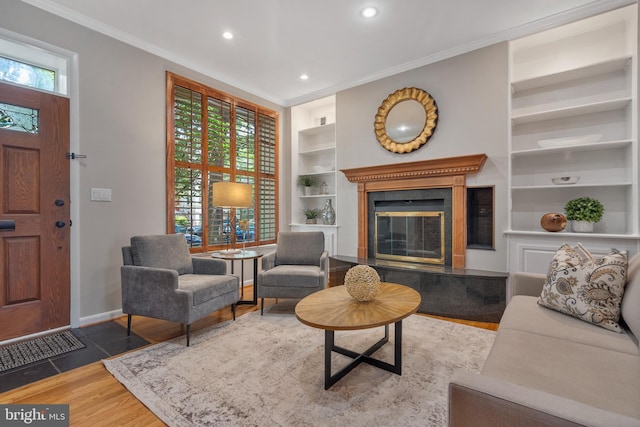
(565, 180)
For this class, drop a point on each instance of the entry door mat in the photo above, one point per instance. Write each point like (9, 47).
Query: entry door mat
(15, 355)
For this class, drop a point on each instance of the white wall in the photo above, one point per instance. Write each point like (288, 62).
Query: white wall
(121, 130)
(471, 93)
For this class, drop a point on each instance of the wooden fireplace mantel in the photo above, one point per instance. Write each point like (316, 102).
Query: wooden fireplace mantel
(448, 172)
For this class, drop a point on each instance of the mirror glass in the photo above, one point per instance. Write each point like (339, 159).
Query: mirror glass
(405, 121)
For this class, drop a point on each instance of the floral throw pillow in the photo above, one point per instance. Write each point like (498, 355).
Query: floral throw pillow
(585, 287)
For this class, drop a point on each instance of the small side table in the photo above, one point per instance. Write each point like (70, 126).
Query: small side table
(242, 256)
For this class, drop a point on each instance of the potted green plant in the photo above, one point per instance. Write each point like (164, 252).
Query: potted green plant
(307, 181)
(311, 215)
(583, 212)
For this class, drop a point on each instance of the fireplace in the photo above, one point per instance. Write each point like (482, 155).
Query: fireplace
(410, 236)
(410, 225)
(416, 182)
(434, 191)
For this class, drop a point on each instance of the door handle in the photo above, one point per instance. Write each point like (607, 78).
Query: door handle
(8, 225)
(60, 224)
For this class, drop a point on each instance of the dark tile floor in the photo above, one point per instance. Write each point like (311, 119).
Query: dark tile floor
(102, 341)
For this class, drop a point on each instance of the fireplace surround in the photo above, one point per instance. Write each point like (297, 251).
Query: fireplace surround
(446, 173)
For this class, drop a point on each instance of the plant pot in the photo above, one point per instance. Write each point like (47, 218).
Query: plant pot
(582, 226)
(307, 191)
(311, 221)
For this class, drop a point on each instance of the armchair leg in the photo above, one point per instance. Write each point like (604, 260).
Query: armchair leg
(188, 333)
(233, 310)
(261, 306)
(128, 325)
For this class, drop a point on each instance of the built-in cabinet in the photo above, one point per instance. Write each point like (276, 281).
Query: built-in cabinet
(573, 114)
(313, 153)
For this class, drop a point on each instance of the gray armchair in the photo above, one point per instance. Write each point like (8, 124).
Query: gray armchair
(161, 279)
(298, 267)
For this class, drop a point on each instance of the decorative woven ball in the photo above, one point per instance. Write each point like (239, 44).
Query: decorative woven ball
(362, 282)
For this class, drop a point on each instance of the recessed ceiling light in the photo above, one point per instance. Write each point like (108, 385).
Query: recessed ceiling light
(227, 35)
(304, 77)
(369, 12)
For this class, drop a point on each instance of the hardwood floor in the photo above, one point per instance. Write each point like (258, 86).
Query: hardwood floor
(95, 398)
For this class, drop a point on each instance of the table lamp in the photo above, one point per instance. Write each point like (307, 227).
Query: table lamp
(231, 195)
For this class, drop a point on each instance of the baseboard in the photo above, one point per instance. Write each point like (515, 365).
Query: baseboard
(100, 317)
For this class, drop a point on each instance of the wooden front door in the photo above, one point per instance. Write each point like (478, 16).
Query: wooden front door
(34, 215)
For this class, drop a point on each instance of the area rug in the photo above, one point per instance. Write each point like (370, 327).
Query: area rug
(15, 355)
(269, 371)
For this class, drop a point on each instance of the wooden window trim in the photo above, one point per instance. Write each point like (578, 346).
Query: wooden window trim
(173, 80)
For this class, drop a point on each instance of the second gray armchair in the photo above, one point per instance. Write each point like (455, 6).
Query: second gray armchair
(298, 267)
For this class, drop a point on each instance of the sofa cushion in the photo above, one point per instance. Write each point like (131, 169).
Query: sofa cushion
(595, 376)
(523, 314)
(162, 251)
(631, 300)
(299, 248)
(588, 288)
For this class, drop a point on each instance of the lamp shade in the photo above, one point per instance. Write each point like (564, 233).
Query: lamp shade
(231, 195)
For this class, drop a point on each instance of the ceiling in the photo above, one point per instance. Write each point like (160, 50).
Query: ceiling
(275, 41)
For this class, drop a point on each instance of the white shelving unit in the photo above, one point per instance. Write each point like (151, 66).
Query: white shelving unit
(313, 152)
(579, 82)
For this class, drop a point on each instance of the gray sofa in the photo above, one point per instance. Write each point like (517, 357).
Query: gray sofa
(550, 369)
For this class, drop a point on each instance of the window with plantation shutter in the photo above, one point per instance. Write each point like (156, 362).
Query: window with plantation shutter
(214, 137)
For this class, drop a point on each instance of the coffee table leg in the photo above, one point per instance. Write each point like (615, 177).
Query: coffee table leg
(329, 347)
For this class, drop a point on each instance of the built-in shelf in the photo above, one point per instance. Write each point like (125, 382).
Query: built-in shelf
(592, 70)
(578, 80)
(573, 111)
(313, 153)
(317, 151)
(317, 130)
(561, 187)
(316, 196)
(564, 235)
(594, 146)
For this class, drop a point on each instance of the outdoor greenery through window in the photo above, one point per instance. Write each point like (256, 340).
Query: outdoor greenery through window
(214, 137)
(27, 75)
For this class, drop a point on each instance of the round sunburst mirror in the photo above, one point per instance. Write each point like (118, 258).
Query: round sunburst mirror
(406, 120)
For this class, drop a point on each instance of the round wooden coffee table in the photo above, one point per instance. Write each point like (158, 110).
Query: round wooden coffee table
(333, 309)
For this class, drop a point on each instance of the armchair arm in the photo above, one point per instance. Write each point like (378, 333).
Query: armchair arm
(269, 261)
(324, 267)
(210, 266)
(483, 401)
(153, 292)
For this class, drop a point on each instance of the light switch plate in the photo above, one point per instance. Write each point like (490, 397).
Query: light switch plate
(101, 194)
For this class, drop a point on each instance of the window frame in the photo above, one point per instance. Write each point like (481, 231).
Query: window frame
(173, 80)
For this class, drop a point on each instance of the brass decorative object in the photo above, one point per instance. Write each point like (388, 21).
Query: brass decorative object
(362, 283)
(553, 221)
(430, 122)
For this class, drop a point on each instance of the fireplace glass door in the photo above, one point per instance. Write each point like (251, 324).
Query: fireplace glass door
(410, 236)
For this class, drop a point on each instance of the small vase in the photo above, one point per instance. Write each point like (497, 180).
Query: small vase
(553, 222)
(328, 214)
(582, 226)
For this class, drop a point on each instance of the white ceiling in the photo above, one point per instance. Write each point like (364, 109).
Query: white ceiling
(278, 40)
